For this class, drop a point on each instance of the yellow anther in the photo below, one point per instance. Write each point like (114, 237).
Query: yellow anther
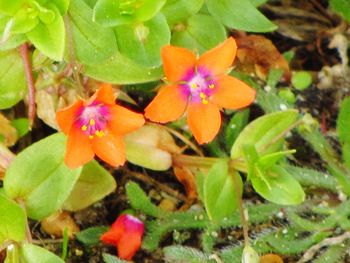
(193, 86)
(204, 101)
(84, 128)
(99, 133)
(91, 137)
(211, 86)
(202, 95)
(92, 122)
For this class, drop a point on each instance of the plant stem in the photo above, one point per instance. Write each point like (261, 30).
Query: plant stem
(24, 51)
(28, 233)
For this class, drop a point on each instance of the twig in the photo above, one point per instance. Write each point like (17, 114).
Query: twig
(24, 51)
(310, 253)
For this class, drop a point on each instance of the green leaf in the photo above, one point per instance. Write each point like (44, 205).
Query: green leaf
(128, 71)
(220, 197)
(201, 32)
(240, 14)
(23, 22)
(94, 183)
(265, 133)
(301, 80)
(278, 186)
(235, 126)
(12, 79)
(107, 258)
(177, 11)
(13, 220)
(49, 38)
(91, 236)
(10, 7)
(62, 5)
(258, 2)
(141, 42)
(93, 44)
(35, 254)
(343, 121)
(21, 125)
(342, 7)
(119, 12)
(39, 177)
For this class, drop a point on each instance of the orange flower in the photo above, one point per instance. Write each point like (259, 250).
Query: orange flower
(200, 85)
(97, 126)
(125, 233)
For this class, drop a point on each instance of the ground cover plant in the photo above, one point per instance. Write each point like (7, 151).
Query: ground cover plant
(174, 131)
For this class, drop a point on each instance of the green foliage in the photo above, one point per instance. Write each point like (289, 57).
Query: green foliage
(91, 236)
(12, 81)
(141, 42)
(235, 126)
(343, 121)
(21, 125)
(178, 254)
(177, 11)
(107, 258)
(230, 13)
(333, 254)
(118, 12)
(220, 194)
(33, 254)
(342, 7)
(301, 80)
(13, 220)
(200, 33)
(94, 183)
(39, 178)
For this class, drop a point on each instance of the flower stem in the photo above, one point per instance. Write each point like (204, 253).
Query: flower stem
(24, 51)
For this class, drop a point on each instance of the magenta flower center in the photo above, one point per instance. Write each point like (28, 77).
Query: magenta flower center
(93, 119)
(198, 84)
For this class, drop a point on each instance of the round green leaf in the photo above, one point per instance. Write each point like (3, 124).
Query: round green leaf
(94, 183)
(301, 80)
(12, 79)
(264, 133)
(13, 220)
(220, 197)
(141, 42)
(34, 254)
(119, 12)
(39, 177)
(10, 7)
(278, 186)
(177, 11)
(121, 70)
(241, 15)
(49, 38)
(202, 32)
(93, 44)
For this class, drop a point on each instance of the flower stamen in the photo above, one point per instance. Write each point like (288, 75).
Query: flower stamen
(92, 122)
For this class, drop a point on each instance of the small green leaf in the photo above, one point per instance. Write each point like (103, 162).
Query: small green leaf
(267, 161)
(62, 5)
(240, 14)
(287, 94)
(39, 177)
(12, 79)
(13, 220)
(301, 80)
(343, 121)
(342, 7)
(107, 258)
(94, 183)
(278, 186)
(177, 11)
(274, 77)
(235, 126)
(91, 236)
(21, 125)
(35, 254)
(265, 133)
(49, 38)
(141, 42)
(93, 44)
(220, 197)
(200, 32)
(128, 71)
(258, 2)
(23, 22)
(118, 12)
(10, 7)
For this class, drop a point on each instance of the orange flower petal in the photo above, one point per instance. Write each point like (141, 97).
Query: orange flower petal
(123, 120)
(220, 58)
(177, 62)
(168, 105)
(233, 93)
(110, 149)
(65, 117)
(79, 150)
(104, 95)
(129, 244)
(113, 236)
(204, 121)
